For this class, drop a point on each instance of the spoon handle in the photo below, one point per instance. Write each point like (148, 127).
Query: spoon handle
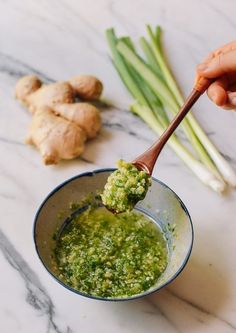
(147, 160)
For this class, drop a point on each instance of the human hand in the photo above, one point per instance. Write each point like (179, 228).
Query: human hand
(221, 65)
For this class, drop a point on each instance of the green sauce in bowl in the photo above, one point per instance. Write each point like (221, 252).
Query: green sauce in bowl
(106, 255)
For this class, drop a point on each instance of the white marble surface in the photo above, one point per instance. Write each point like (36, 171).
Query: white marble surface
(60, 38)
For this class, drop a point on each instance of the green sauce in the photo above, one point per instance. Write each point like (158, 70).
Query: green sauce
(111, 256)
(125, 187)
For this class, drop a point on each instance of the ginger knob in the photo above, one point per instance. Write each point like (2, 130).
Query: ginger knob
(26, 86)
(55, 137)
(84, 115)
(50, 95)
(86, 87)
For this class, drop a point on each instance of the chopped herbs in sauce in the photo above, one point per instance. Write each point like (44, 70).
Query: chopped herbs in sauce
(111, 256)
(125, 187)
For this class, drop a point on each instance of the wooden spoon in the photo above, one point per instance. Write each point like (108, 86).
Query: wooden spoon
(147, 160)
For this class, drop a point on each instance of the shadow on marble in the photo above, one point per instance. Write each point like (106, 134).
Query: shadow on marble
(197, 296)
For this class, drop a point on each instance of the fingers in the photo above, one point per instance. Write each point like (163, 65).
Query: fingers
(226, 100)
(225, 48)
(232, 100)
(223, 92)
(217, 92)
(218, 65)
(221, 64)
(209, 57)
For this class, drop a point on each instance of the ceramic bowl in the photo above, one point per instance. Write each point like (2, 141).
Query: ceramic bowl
(161, 205)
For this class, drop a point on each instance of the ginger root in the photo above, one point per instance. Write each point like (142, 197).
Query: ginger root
(87, 87)
(84, 115)
(26, 86)
(50, 95)
(55, 137)
(60, 126)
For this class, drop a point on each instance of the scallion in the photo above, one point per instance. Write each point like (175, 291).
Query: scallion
(152, 85)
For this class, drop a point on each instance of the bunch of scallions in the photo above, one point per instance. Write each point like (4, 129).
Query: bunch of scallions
(157, 96)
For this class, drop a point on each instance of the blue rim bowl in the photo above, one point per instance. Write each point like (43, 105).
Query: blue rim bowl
(161, 204)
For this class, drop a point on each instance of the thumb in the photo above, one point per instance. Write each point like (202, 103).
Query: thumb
(219, 65)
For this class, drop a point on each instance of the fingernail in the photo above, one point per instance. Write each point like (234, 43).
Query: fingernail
(202, 67)
(232, 100)
(214, 98)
